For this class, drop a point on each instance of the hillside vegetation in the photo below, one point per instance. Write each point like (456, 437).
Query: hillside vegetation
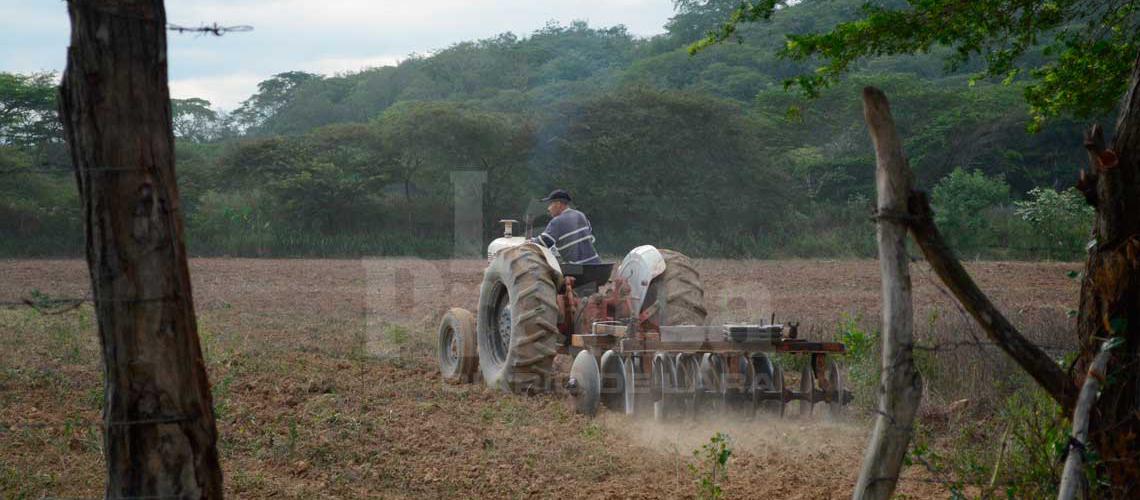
(705, 153)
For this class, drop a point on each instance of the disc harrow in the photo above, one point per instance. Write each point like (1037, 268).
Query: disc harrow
(685, 371)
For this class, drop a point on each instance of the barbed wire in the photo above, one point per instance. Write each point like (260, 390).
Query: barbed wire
(963, 315)
(36, 170)
(70, 170)
(951, 346)
(205, 29)
(209, 29)
(152, 497)
(265, 169)
(6, 427)
(48, 305)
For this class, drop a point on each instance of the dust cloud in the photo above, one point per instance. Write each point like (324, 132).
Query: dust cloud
(760, 436)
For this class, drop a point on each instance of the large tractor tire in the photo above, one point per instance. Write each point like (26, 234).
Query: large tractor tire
(518, 321)
(676, 296)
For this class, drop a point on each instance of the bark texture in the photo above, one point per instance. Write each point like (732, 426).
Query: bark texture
(900, 389)
(159, 430)
(1110, 293)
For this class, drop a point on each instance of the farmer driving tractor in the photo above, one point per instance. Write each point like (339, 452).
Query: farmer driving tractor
(569, 233)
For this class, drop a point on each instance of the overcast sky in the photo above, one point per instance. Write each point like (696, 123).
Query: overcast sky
(321, 36)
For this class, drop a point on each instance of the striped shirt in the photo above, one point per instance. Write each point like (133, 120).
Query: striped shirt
(572, 237)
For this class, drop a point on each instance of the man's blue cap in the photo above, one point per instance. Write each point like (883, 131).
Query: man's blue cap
(557, 194)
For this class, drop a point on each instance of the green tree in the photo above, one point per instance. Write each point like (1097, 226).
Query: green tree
(193, 119)
(695, 19)
(28, 109)
(325, 197)
(327, 180)
(1090, 46)
(272, 95)
(962, 201)
(1060, 220)
(426, 140)
(673, 168)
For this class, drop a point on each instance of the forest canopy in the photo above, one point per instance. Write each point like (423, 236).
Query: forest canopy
(707, 152)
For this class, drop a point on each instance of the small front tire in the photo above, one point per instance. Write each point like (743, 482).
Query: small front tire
(458, 354)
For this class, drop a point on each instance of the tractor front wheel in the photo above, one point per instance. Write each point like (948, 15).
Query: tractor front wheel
(458, 360)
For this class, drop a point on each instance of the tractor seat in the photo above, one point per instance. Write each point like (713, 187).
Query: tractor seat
(588, 274)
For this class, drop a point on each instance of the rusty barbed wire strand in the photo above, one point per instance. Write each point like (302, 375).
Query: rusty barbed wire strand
(263, 169)
(964, 315)
(155, 497)
(70, 170)
(48, 305)
(7, 427)
(203, 29)
(152, 497)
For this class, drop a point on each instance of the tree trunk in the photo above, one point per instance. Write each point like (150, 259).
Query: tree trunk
(159, 430)
(1110, 294)
(900, 389)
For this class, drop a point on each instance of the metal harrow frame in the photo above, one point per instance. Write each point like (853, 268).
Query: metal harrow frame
(684, 371)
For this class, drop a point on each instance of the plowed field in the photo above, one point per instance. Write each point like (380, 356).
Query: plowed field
(325, 385)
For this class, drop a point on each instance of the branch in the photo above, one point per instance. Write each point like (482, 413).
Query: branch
(1072, 479)
(1030, 357)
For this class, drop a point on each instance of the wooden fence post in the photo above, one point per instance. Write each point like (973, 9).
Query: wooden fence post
(900, 389)
(159, 432)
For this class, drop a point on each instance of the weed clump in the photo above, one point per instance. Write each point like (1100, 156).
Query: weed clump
(711, 468)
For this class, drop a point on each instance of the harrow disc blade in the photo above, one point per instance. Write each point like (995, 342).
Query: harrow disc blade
(613, 382)
(584, 385)
(807, 387)
(631, 366)
(767, 385)
(663, 387)
(688, 384)
(713, 390)
(741, 386)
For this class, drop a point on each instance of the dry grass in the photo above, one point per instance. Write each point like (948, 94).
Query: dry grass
(325, 384)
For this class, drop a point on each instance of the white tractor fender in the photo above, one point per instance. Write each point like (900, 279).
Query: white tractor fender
(505, 242)
(638, 268)
(551, 259)
(499, 244)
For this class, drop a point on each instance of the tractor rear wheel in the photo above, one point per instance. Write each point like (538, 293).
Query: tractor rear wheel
(676, 296)
(518, 321)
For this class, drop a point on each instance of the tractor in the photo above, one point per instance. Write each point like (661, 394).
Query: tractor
(638, 337)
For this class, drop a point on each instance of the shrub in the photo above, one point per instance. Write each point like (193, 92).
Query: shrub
(231, 222)
(862, 359)
(1060, 219)
(963, 201)
(714, 471)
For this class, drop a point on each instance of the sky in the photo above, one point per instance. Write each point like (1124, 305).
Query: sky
(319, 36)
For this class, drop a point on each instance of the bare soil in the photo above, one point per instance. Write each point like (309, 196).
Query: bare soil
(325, 384)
